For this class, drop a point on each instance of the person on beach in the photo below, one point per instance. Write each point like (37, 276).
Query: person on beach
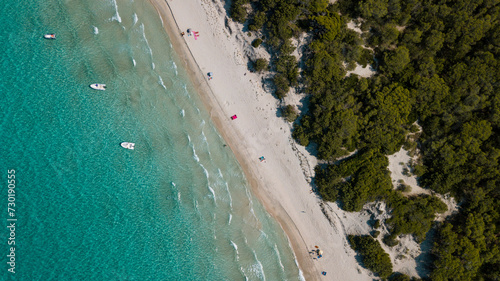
(182, 34)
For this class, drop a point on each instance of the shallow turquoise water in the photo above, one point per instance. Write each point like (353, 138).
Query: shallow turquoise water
(175, 208)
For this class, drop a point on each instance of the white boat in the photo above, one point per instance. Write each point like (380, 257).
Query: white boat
(128, 145)
(98, 86)
(49, 36)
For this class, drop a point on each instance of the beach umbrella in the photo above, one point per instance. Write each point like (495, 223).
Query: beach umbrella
(189, 30)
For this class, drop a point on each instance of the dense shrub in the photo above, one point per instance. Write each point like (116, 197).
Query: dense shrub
(372, 255)
(282, 85)
(238, 10)
(261, 65)
(390, 240)
(258, 21)
(368, 179)
(407, 211)
(256, 43)
(290, 113)
(404, 188)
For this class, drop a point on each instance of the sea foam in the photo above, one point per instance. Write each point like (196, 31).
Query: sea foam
(117, 15)
(135, 19)
(160, 80)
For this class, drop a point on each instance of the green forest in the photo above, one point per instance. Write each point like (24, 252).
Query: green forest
(437, 65)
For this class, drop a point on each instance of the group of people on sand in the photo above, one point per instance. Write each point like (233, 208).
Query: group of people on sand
(319, 254)
(189, 33)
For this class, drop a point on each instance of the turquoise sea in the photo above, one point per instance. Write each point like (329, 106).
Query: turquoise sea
(175, 208)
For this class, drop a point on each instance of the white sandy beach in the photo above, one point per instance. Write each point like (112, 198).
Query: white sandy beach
(281, 182)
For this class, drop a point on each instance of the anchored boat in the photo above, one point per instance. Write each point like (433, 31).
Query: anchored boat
(49, 36)
(128, 145)
(98, 86)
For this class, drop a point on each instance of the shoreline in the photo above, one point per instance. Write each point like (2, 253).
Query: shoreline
(279, 183)
(208, 97)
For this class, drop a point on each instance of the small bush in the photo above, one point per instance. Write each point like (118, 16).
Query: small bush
(375, 234)
(366, 57)
(238, 10)
(281, 84)
(256, 43)
(261, 65)
(399, 277)
(376, 224)
(390, 240)
(290, 113)
(404, 188)
(419, 170)
(406, 171)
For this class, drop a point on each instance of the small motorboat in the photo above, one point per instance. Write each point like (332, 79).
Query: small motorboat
(49, 36)
(128, 145)
(98, 86)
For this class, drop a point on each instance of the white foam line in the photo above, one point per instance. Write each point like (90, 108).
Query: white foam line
(178, 192)
(195, 156)
(135, 19)
(161, 82)
(147, 44)
(227, 188)
(253, 213)
(279, 257)
(230, 218)
(204, 170)
(230, 198)
(261, 268)
(182, 113)
(96, 30)
(133, 61)
(236, 250)
(213, 193)
(117, 15)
